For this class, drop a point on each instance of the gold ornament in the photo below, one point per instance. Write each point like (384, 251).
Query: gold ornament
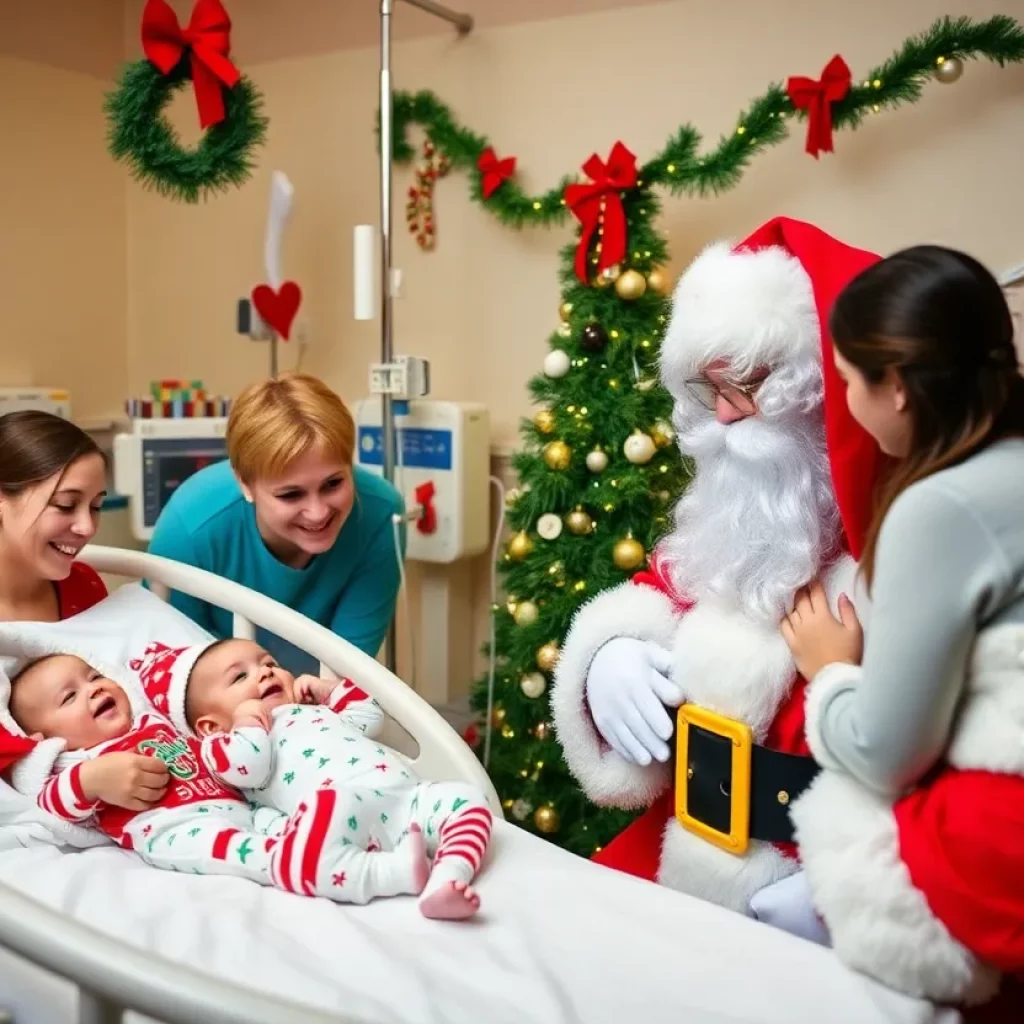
(597, 461)
(662, 434)
(658, 281)
(512, 496)
(557, 455)
(565, 310)
(543, 731)
(579, 522)
(520, 546)
(628, 553)
(609, 275)
(511, 603)
(498, 717)
(949, 70)
(544, 420)
(525, 613)
(639, 448)
(547, 656)
(507, 732)
(565, 330)
(546, 819)
(630, 285)
(533, 685)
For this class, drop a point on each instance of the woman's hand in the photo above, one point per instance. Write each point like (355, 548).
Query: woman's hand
(816, 637)
(132, 781)
(314, 690)
(251, 714)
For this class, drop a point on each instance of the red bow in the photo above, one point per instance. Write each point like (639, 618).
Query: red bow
(817, 97)
(599, 204)
(494, 171)
(208, 40)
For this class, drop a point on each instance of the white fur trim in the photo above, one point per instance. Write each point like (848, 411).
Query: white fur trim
(627, 610)
(693, 865)
(30, 773)
(749, 307)
(990, 726)
(879, 922)
(830, 681)
(726, 662)
(180, 673)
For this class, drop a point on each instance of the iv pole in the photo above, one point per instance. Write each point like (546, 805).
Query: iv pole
(464, 23)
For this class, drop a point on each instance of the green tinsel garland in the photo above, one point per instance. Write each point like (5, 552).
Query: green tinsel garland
(680, 167)
(139, 134)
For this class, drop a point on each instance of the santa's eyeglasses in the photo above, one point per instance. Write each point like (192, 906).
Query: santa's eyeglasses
(740, 395)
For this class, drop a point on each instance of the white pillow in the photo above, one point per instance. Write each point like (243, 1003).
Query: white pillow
(107, 635)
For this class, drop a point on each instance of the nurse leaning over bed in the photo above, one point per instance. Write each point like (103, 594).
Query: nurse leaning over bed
(290, 516)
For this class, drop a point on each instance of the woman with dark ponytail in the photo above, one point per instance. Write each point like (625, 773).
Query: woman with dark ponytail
(918, 818)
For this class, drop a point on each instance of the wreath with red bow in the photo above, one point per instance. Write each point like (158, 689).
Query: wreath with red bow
(230, 106)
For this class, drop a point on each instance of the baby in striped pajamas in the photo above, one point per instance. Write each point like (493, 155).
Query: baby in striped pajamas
(171, 810)
(284, 741)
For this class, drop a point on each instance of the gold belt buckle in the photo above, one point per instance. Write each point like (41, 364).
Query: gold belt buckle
(737, 839)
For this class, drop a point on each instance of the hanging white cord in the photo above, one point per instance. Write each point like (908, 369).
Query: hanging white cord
(396, 524)
(492, 654)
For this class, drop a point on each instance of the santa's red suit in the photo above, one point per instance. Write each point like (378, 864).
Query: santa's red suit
(905, 896)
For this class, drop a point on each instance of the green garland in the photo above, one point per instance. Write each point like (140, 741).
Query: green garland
(140, 135)
(679, 166)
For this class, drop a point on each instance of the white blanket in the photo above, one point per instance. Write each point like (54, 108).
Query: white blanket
(559, 941)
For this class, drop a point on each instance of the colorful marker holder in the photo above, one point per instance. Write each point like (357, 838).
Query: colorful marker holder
(177, 399)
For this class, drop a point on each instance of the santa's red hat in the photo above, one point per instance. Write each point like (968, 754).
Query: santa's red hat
(164, 673)
(766, 302)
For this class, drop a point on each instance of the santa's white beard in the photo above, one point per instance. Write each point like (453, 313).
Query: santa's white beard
(760, 515)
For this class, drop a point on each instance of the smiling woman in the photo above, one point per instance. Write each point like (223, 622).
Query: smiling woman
(52, 484)
(290, 516)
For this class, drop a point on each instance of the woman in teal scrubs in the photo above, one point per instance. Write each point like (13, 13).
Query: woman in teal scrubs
(290, 516)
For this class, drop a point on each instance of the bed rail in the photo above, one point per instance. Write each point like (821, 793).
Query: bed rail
(114, 977)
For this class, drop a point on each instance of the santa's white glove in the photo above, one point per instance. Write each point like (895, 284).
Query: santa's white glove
(628, 689)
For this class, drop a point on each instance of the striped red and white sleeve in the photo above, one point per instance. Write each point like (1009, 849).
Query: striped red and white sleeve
(63, 796)
(242, 758)
(356, 707)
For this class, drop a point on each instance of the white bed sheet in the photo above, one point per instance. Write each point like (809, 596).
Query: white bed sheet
(559, 941)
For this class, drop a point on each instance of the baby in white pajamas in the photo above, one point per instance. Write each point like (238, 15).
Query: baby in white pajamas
(281, 740)
(92, 748)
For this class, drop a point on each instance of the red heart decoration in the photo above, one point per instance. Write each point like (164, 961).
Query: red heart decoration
(278, 308)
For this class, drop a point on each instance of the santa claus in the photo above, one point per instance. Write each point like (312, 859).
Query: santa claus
(781, 496)
(675, 691)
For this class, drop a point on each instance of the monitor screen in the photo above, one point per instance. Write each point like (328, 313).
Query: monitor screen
(167, 462)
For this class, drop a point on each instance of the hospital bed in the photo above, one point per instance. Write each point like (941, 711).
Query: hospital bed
(559, 940)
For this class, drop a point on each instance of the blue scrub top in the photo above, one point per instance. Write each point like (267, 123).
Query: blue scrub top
(351, 589)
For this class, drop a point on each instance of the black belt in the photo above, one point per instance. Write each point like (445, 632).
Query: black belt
(728, 788)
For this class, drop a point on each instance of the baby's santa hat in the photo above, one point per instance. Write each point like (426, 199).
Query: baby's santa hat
(766, 302)
(163, 672)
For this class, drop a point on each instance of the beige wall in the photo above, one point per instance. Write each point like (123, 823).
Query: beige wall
(62, 204)
(483, 304)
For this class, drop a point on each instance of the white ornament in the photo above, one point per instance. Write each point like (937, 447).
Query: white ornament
(639, 448)
(556, 363)
(597, 461)
(549, 526)
(522, 809)
(533, 685)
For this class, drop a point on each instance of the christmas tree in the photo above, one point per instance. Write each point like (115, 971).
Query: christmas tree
(598, 475)
(599, 472)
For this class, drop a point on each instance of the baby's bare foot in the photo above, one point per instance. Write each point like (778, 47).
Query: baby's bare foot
(453, 901)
